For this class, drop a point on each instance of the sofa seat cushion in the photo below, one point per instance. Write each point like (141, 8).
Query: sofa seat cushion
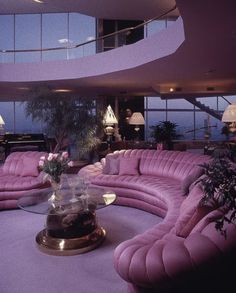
(151, 190)
(14, 183)
(155, 185)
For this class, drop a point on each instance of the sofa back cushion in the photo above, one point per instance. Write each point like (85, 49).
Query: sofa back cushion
(111, 164)
(183, 166)
(129, 166)
(175, 164)
(23, 163)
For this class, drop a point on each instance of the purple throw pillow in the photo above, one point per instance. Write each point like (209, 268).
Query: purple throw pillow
(30, 167)
(191, 212)
(129, 166)
(192, 177)
(111, 166)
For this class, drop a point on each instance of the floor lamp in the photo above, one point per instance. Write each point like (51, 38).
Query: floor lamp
(109, 120)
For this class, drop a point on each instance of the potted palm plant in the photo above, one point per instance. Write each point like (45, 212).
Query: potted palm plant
(66, 119)
(164, 133)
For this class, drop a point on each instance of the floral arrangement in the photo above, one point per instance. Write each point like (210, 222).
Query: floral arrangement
(54, 165)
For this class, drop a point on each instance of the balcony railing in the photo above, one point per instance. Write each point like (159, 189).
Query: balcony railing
(69, 50)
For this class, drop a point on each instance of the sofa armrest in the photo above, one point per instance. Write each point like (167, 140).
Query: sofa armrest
(176, 261)
(91, 170)
(1, 171)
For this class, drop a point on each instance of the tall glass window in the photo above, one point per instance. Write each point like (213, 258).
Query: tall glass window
(155, 26)
(81, 29)
(43, 31)
(7, 113)
(25, 124)
(13, 114)
(54, 35)
(7, 38)
(193, 123)
(37, 31)
(27, 37)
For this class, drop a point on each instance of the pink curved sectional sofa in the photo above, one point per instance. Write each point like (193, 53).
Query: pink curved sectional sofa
(184, 252)
(18, 176)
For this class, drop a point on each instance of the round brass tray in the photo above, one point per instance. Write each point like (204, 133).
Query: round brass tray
(71, 246)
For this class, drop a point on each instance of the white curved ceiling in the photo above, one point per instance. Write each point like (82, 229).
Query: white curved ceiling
(205, 60)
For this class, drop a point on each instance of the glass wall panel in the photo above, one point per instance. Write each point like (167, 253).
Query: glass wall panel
(27, 36)
(185, 123)
(19, 124)
(209, 102)
(54, 35)
(155, 26)
(6, 38)
(153, 118)
(202, 120)
(223, 103)
(170, 21)
(179, 104)
(7, 113)
(81, 29)
(192, 122)
(154, 103)
(215, 130)
(25, 124)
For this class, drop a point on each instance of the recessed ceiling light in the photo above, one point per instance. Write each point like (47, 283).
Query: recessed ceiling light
(39, 1)
(171, 89)
(62, 90)
(23, 88)
(210, 71)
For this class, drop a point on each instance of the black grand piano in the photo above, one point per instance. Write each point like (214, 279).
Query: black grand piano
(24, 142)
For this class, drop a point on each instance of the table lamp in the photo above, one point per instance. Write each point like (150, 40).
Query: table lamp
(109, 120)
(2, 123)
(229, 116)
(137, 120)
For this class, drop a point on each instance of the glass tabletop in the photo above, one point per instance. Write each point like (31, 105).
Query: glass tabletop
(72, 202)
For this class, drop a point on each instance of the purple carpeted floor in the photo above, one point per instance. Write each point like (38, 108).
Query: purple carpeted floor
(24, 269)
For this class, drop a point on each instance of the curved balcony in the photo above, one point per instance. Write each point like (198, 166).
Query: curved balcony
(117, 69)
(195, 57)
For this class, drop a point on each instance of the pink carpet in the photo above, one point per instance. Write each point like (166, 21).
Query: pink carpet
(24, 269)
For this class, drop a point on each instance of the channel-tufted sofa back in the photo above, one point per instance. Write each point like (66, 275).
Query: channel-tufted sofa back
(174, 164)
(22, 163)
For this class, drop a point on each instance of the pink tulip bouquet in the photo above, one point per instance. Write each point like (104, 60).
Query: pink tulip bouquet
(54, 165)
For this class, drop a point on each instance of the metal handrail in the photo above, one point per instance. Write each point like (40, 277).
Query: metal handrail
(91, 41)
(226, 100)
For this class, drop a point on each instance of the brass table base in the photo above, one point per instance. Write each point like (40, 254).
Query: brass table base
(71, 246)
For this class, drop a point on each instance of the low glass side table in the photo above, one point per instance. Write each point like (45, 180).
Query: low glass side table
(71, 225)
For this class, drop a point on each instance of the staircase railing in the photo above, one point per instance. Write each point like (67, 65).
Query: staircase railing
(203, 107)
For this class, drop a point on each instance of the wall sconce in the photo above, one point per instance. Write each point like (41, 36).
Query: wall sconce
(109, 120)
(229, 116)
(2, 123)
(137, 120)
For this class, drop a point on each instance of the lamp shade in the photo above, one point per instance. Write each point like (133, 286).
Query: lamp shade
(1, 121)
(109, 117)
(229, 114)
(136, 119)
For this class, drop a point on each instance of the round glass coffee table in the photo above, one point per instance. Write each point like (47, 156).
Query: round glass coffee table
(71, 224)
